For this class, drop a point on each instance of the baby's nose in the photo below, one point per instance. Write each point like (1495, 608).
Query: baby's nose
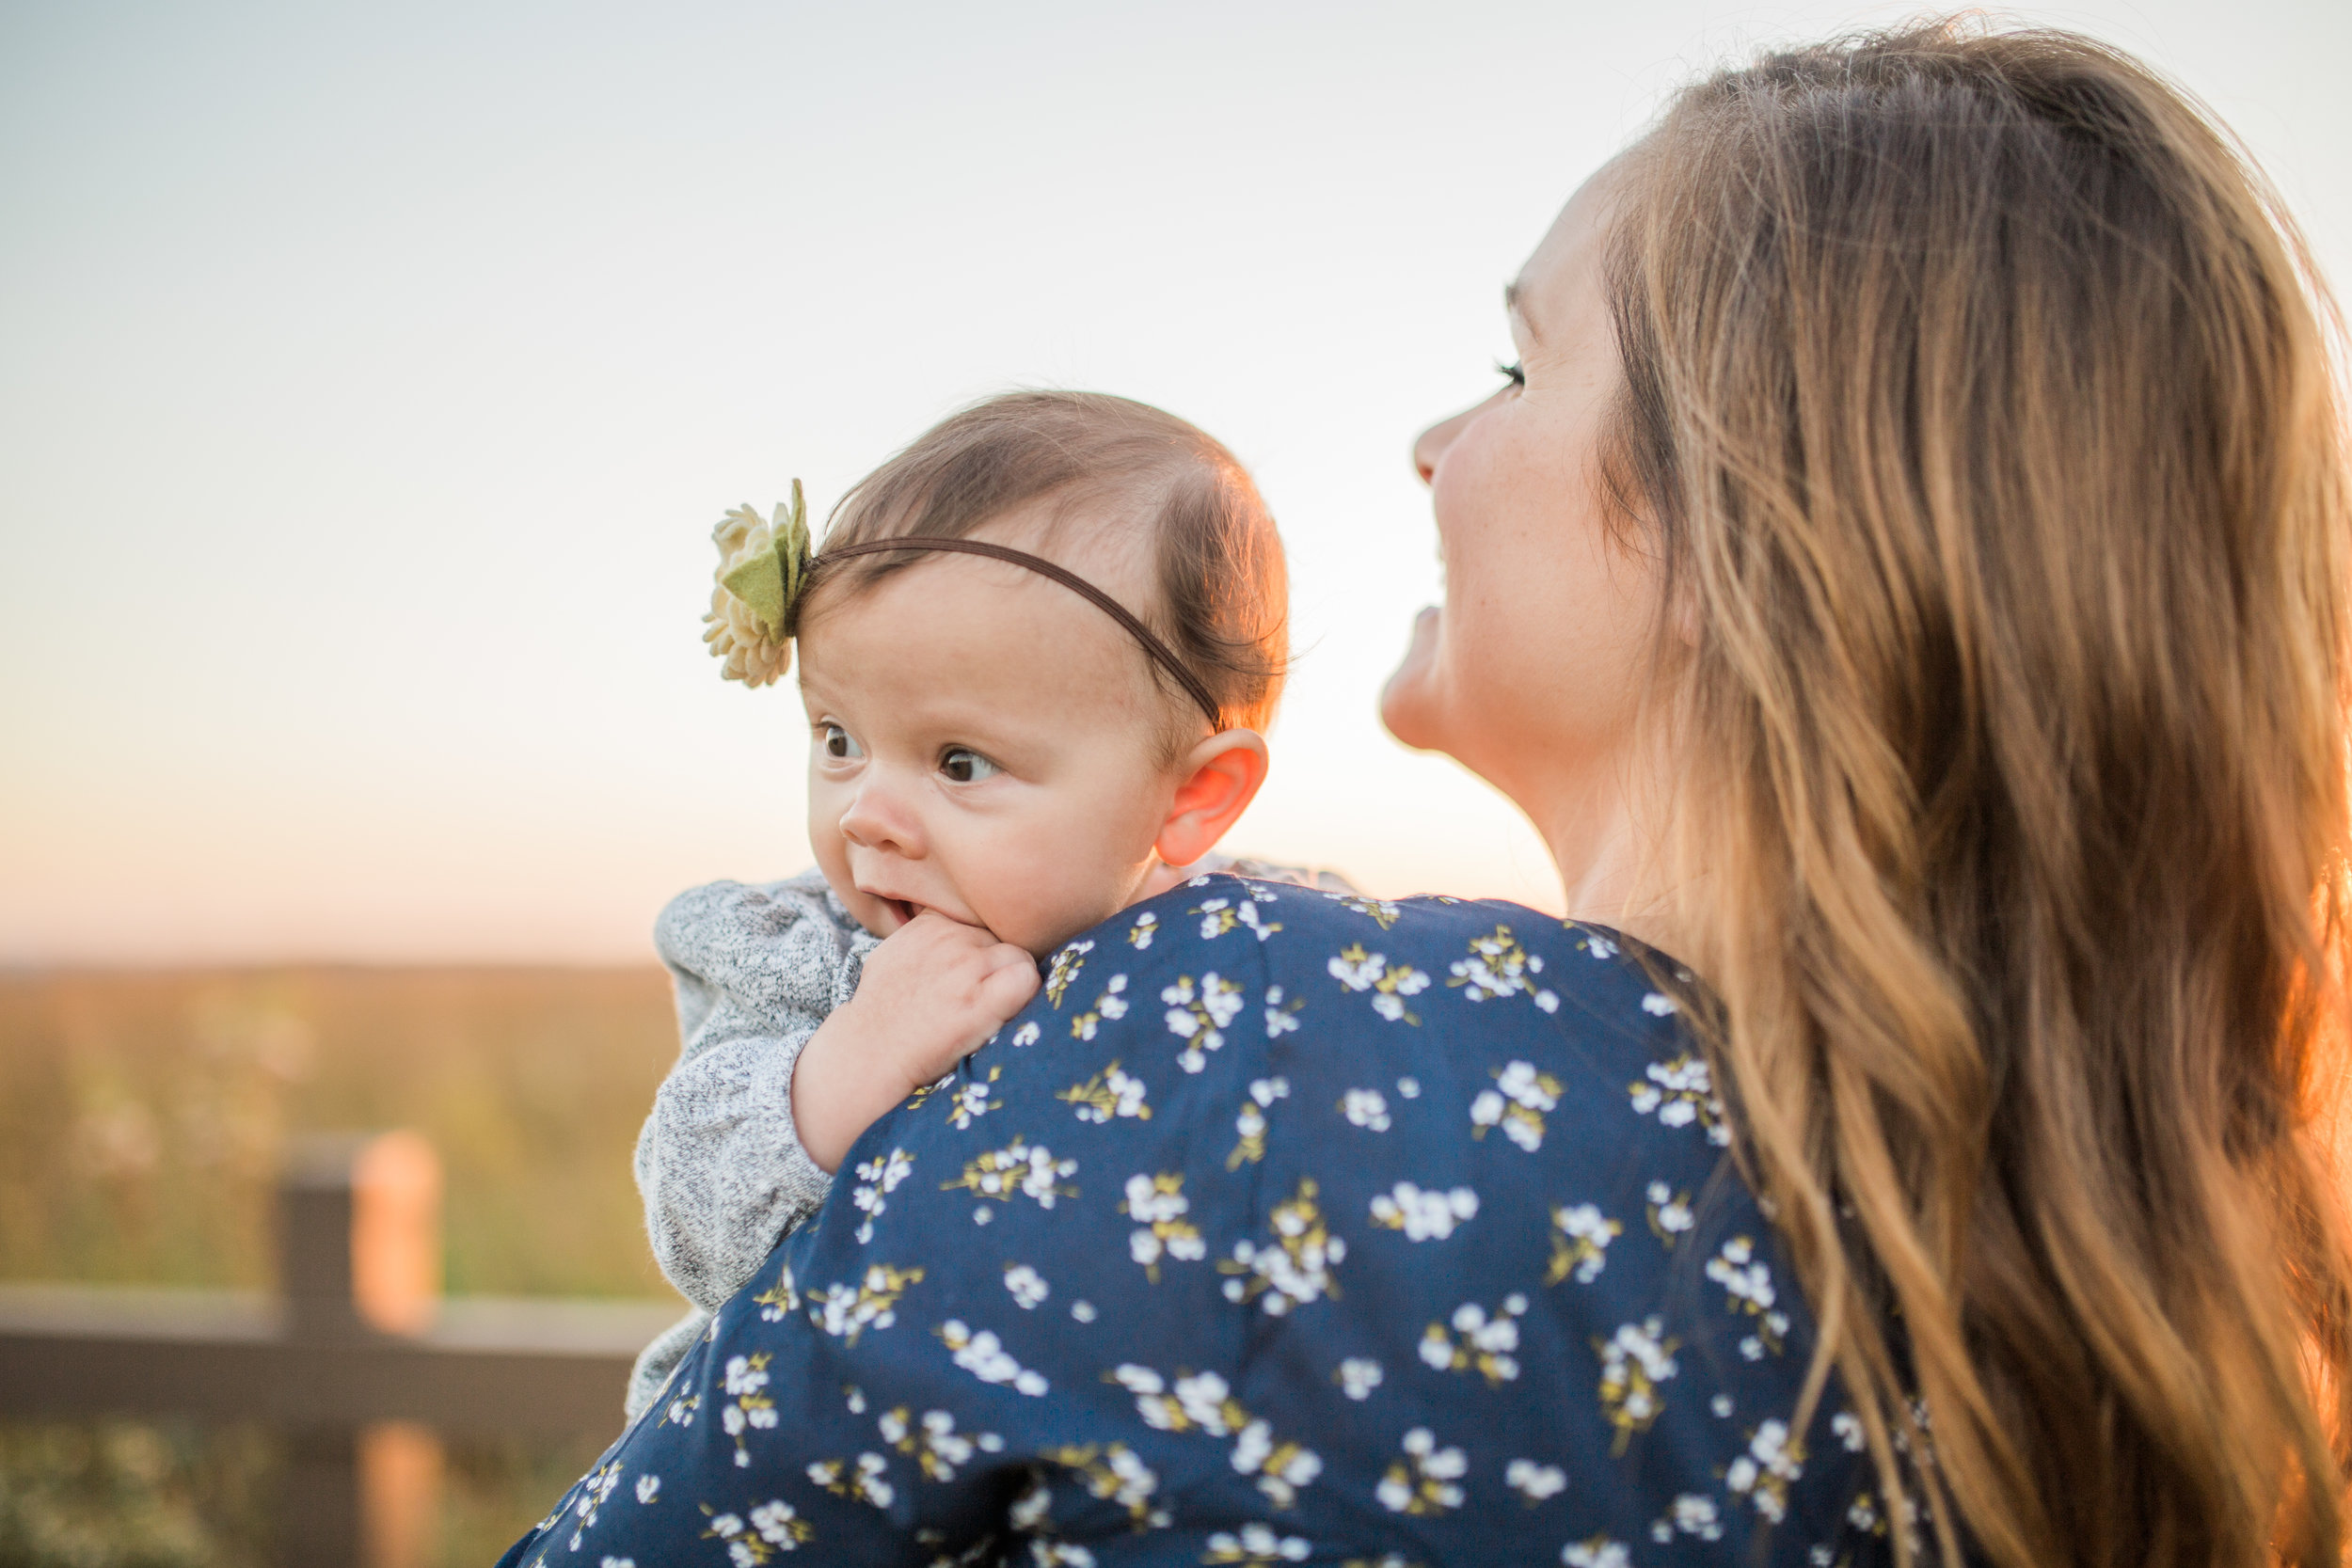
(878, 819)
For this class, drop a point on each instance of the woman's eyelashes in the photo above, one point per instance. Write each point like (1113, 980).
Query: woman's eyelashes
(964, 766)
(1514, 372)
(838, 743)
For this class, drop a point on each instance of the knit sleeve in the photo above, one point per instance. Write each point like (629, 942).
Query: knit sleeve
(718, 1163)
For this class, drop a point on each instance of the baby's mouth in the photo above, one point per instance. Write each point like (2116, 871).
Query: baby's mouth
(904, 908)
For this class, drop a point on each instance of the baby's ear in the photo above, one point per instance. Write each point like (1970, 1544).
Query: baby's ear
(1218, 779)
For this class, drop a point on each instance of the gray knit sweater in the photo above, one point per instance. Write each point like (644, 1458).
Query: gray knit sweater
(719, 1164)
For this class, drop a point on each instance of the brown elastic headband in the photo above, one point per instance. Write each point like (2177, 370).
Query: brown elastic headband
(1160, 652)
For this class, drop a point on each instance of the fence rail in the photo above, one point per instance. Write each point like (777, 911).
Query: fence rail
(358, 1358)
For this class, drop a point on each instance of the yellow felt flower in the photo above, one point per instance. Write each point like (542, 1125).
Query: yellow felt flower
(762, 568)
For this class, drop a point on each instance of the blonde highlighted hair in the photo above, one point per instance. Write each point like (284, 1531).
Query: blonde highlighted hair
(1980, 398)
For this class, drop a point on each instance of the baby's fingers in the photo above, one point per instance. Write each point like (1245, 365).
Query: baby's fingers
(1007, 989)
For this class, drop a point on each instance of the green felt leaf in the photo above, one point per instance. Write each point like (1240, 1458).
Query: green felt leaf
(759, 582)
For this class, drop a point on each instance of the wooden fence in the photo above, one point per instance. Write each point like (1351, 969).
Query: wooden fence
(359, 1360)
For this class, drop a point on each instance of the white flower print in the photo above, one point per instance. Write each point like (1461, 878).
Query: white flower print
(1848, 1428)
(1597, 1552)
(1383, 913)
(1670, 1212)
(1027, 1286)
(748, 1408)
(1763, 1473)
(1635, 1362)
(970, 1101)
(1281, 1468)
(861, 1479)
(1692, 1515)
(985, 1357)
(648, 1488)
(1360, 971)
(1021, 1166)
(1033, 1508)
(1200, 1018)
(1158, 1205)
(774, 1527)
(1220, 915)
(1280, 1020)
(1680, 1092)
(845, 1311)
(1487, 1342)
(1116, 1473)
(1425, 1481)
(1204, 1401)
(1060, 1554)
(1250, 1123)
(1599, 947)
(1029, 1034)
(1424, 1215)
(1109, 1093)
(876, 1178)
(939, 1449)
(1256, 1546)
(1064, 970)
(1295, 1267)
(1749, 1284)
(1143, 930)
(1721, 1404)
(1580, 1244)
(1409, 1088)
(1517, 1102)
(1497, 966)
(1659, 1004)
(1358, 1376)
(1082, 1310)
(1365, 1108)
(1111, 1004)
(1534, 1482)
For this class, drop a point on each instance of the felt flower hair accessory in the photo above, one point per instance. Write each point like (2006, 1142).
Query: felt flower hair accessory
(763, 567)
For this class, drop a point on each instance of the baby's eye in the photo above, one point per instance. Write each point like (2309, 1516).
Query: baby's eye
(838, 743)
(966, 767)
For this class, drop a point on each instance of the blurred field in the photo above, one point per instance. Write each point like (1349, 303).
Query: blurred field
(141, 1116)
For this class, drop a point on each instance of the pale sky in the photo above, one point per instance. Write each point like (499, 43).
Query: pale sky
(370, 379)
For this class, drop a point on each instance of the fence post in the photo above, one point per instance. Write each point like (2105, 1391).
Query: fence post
(359, 1257)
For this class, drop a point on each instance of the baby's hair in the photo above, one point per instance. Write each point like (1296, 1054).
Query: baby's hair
(1222, 598)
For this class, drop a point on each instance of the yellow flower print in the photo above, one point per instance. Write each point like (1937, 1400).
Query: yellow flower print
(864, 1479)
(1749, 1284)
(778, 1299)
(845, 1311)
(1019, 1167)
(748, 1408)
(1360, 971)
(1426, 1480)
(1295, 1266)
(1580, 1244)
(1497, 966)
(1256, 1546)
(1109, 1093)
(1116, 1475)
(1220, 915)
(1517, 1102)
(1250, 1124)
(1635, 1362)
(1678, 1093)
(1110, 1005)
(773, 1526)
(939, 1449)
(1670, 1212)
(1200, 1018)
(1488, 1343)
(1379, 911)
(1158, 1205)
(1064, 969)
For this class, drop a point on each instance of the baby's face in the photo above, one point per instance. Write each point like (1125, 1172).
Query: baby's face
(984, 743)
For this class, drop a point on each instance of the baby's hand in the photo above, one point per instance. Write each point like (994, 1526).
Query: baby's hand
(932, 994)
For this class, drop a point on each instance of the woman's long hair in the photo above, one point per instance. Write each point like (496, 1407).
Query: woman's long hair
(1981, 398)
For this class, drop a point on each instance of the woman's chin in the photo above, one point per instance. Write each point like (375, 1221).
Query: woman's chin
(1408, 703)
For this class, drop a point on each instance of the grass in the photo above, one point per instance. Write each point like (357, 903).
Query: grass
(141, 1119)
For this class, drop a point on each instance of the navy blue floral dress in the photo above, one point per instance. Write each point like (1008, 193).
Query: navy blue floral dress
(1282, 1227)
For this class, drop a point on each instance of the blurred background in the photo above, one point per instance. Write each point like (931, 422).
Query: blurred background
(370, 378)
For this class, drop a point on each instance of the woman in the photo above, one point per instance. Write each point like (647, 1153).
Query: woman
(1904, 577)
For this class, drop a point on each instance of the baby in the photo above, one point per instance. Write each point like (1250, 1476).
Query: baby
(1038, 653)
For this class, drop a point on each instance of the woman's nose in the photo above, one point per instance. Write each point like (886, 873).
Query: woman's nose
(1430, 444)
